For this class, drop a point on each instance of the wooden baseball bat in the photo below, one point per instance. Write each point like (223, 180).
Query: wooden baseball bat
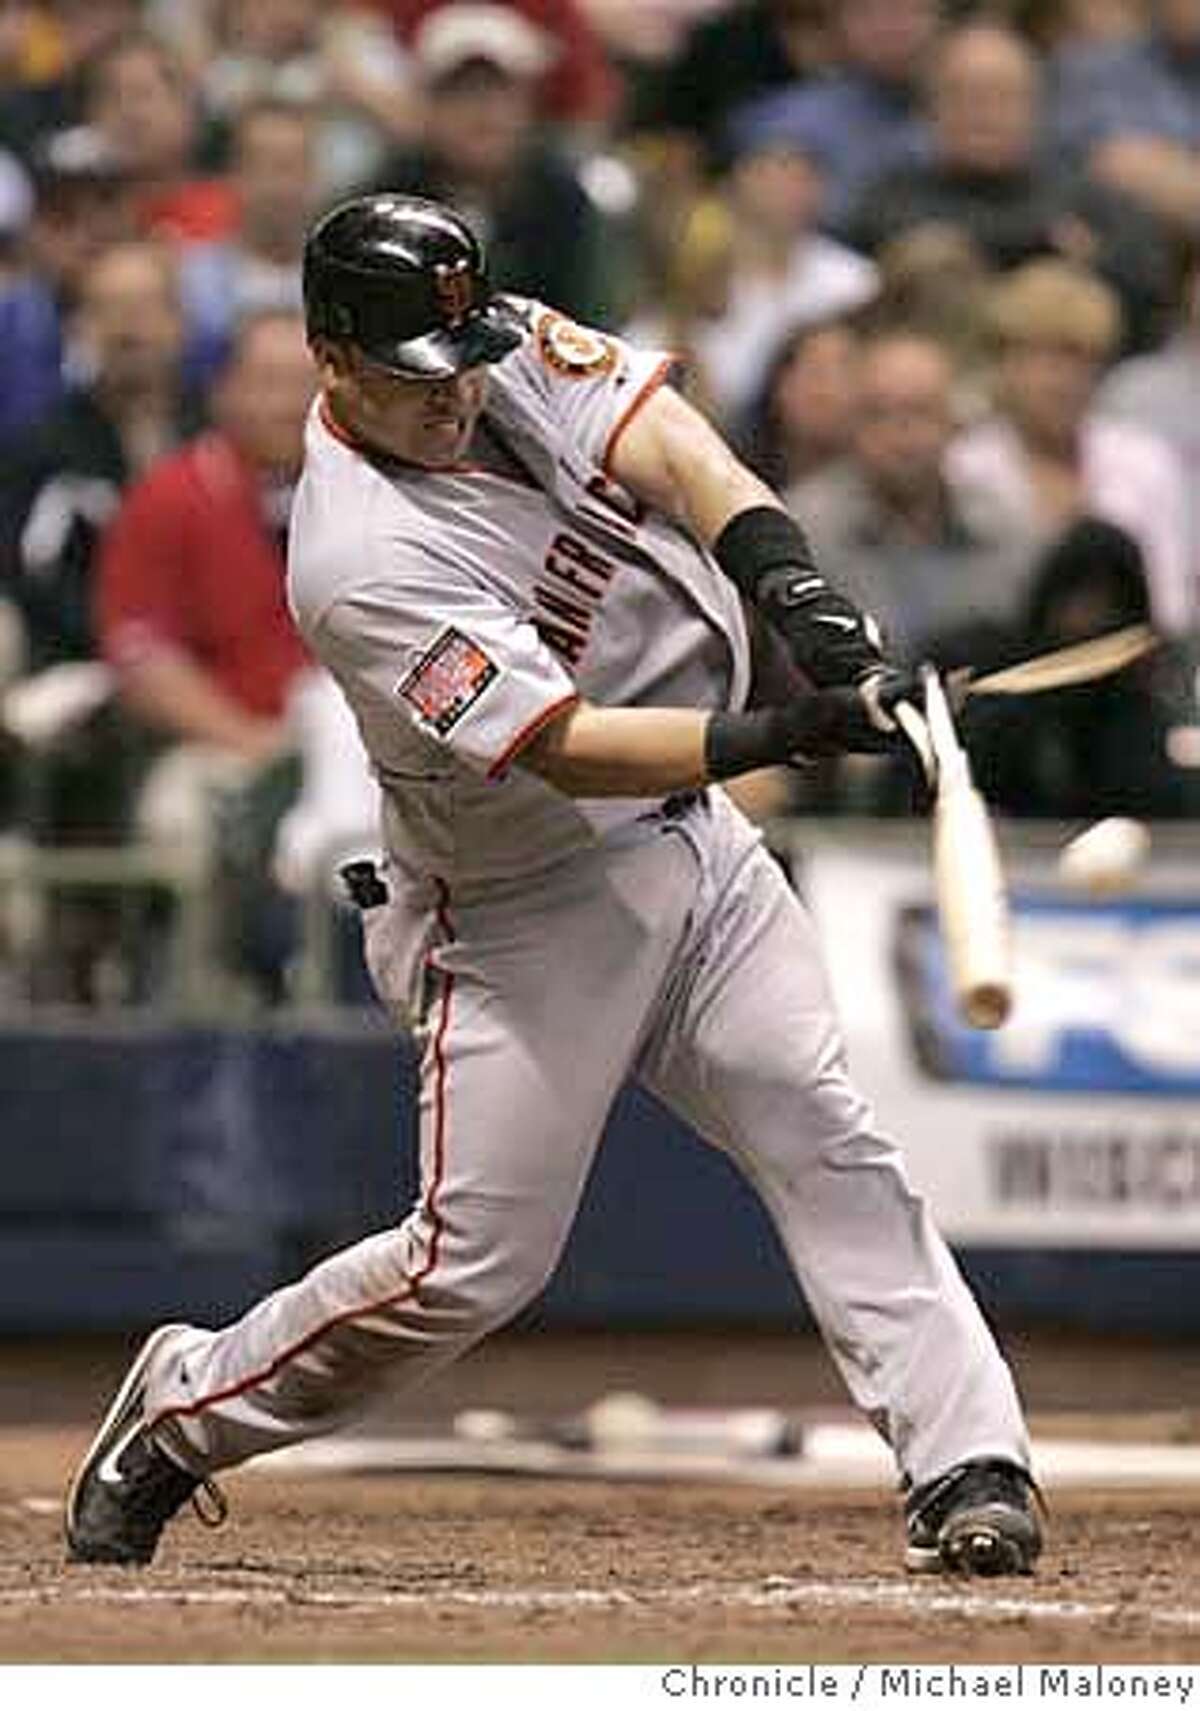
(972, 899)
(1079, 662)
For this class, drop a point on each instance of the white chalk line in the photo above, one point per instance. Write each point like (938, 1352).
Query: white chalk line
(775, 1593)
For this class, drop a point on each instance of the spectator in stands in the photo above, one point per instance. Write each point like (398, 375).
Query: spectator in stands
(577, 86)
(62, 483)
(1109, 747)
(1130, 112)
(1047, 450)
(193, 617)
(785, 270)
(258, 266)
(137, 97)
(867, 109)
(935, 280)
(737, 55)
(191, 603)
(73, 775)
(693, 295)
(1054, 24)
(803, 418)
(931, 552)
(80, 205)
(484, 152)
(59, 42)
(342, 61)
(984, 174)
(1161, 393)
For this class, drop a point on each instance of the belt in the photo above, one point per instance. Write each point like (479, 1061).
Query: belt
(367, 889)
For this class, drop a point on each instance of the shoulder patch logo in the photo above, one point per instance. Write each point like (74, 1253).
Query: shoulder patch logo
(447, 681)
(575, 351)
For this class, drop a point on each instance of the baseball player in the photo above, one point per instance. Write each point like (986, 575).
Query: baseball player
(524, 557)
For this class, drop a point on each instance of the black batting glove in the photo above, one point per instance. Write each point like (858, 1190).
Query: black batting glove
(765, 553)
(820, 725)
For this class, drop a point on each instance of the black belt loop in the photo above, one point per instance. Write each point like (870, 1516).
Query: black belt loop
(680, 802)
(364, 884)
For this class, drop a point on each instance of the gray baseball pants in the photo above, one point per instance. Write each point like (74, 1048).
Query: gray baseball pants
(674, 953)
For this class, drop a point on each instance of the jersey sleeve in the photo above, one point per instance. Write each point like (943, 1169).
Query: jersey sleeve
(591, 384)
(468, 672)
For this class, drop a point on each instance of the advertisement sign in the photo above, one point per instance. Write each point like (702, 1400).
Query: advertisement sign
(1078, 1122)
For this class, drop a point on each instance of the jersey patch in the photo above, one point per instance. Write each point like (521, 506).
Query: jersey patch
(578, 352)
(447, 681)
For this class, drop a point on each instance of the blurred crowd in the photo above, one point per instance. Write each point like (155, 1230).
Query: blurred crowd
(934, 270)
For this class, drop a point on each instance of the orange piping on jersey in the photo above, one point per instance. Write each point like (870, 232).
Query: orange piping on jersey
(645, 392)
(528, 732)
(335, 427)
(525, 479)
(412, 1284)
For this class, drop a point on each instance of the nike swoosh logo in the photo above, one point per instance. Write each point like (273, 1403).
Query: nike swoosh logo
(109, 1471)
(834, 618)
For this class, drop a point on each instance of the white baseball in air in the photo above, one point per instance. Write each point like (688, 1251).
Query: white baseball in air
(625, 1417)
(1105, 860)
(483, 1425)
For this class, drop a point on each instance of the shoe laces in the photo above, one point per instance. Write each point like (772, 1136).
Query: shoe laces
(983, 1480)
(156, 1486)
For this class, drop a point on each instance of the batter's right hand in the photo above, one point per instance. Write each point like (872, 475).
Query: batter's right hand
(820, 724)
(830, 722)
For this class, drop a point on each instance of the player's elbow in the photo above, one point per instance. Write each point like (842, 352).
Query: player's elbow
(548, 751)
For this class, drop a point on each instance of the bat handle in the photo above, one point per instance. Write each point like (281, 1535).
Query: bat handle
(950, 756)
(917, 732)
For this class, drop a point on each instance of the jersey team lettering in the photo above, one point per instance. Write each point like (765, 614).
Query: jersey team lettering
(447, 681)
(578, 352)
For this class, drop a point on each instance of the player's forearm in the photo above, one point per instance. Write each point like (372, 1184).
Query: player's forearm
(172, 694)
(652, 751)
(621, 751)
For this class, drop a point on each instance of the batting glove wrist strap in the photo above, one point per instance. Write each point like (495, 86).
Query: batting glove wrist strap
(764, 552)
(830, 722)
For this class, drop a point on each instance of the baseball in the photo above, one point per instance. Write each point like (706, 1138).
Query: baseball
(622, 1418)
(484, 1426)
(1104, 860)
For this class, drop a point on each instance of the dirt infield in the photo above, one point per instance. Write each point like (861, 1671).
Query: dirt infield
(464, 1569)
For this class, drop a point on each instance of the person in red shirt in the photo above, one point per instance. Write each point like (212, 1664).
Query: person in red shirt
(192, 613)
(192, 616)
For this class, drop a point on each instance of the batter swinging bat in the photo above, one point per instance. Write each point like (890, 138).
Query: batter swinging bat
(968, 878)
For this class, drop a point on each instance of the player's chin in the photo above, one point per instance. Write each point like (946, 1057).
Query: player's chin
(441, 444)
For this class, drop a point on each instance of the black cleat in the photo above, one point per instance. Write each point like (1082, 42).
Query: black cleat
(977, 1518)
(126, 1488)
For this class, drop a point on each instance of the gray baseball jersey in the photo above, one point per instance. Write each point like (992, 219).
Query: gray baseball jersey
(547, 950)
(459, 611)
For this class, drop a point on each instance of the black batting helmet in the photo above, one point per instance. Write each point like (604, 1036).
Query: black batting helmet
(405, 280)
